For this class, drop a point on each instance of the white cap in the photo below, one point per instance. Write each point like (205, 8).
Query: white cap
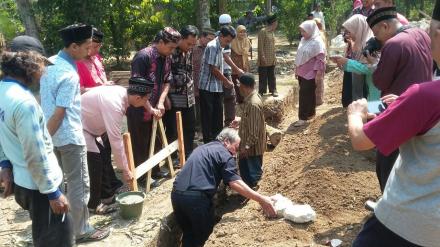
(225, 19)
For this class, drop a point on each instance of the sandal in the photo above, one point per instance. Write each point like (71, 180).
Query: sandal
(94, 235)
(103, 209)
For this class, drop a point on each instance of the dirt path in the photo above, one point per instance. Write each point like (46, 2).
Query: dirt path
(315, 165)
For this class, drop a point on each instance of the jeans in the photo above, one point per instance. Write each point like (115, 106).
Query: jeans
(73, 162)
(103, 180)
(250, 169)
(188, 124)
(211, 106)
(266, 78)
(384, 165)
(374, 233)
(195, 216)
(47, 227)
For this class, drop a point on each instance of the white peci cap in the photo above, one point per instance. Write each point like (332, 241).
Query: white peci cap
(225, 19)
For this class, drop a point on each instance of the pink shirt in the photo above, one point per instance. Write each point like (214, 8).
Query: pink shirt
(102, 111)
(402, 19)
(308, 70)
(91, 72)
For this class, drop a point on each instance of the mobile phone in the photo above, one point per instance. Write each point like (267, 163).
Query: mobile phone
(376, 107)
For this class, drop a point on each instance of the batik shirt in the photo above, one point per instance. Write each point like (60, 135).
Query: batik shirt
(149, 64)
(181, 91)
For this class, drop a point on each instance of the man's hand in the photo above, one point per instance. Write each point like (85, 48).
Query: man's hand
(228, 84)
(60, 205)
(235, 123)
(161, 107)
(266, 204)
(360, 108)
(388, 99)
(7, 180)
(127, 176)
(240, 72)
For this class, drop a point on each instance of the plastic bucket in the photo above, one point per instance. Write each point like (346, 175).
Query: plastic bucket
(131, 204)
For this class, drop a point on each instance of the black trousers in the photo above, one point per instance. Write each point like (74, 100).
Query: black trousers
(211, 107)
(47, 227)
(195, 216)
(140, 133)
(188, 122)
(384, 165)
(103, 180)
(266, 77)
(307, 98)
(374, 233)
(347, 97)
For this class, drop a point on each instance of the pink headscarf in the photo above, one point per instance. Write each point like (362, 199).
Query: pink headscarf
(357, 4)
(357, 25)
(311, 47)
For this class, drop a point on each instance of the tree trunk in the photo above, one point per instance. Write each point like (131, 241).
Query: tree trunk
(203, 20)
(268, 7)
(222, 7)
(27, 16)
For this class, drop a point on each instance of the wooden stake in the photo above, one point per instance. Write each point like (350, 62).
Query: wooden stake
(164, 145)
(180, 139)
(129, 153)
(151, 153)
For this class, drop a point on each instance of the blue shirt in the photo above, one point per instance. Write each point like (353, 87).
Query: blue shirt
(59, 87)
(213, 56)
(25, 143)
(206, 167)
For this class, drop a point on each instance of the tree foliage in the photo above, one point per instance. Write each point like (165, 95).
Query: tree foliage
(10, 23)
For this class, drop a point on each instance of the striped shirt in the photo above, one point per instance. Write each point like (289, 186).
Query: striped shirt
(181, 91)
(213, 56)
(266, 48)
(252, 130)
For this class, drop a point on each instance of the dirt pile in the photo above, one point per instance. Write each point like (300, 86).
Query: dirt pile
(316, 165)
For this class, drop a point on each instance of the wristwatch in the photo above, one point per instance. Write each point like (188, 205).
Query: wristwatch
(246, 147)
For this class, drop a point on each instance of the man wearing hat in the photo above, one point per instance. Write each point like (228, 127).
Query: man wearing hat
(405, 59)
(266, 57)
(252, 132)
(154, 64)
(102, 112)
(407, 215)
(61, 103)
(91, 70)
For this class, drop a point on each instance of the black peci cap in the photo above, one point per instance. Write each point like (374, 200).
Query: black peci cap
(76, 33)
(381, 14)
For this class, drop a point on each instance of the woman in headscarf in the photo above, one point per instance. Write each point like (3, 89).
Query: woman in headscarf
(359, 33)
(240, 47)
(309, 68)
(320, 83)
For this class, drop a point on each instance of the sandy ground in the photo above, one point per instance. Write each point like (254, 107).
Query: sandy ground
(314, 164)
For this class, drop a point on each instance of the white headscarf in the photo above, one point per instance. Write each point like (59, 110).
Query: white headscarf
(357, 25)
(311, 47)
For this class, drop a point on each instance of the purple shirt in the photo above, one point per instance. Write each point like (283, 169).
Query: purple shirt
(406, 59)
(414, 113)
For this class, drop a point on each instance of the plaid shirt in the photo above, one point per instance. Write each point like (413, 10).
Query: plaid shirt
(213, 56)
(266, 48)
(181, 91)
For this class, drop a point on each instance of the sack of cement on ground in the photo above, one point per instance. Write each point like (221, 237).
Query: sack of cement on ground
(337, 46)
(422, 24)
(293, 212)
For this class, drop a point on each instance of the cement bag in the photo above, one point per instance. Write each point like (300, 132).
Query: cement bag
(299, 213)
(281, 203)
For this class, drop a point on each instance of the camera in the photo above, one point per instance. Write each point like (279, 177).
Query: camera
(371, 47)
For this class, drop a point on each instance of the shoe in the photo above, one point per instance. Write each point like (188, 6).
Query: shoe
(275, 94)
(161, 174)
(299, 123)
(370, 205)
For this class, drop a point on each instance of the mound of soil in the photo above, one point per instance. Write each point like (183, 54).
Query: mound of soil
(316, 165)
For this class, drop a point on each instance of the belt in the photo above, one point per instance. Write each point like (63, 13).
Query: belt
(190, 192)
